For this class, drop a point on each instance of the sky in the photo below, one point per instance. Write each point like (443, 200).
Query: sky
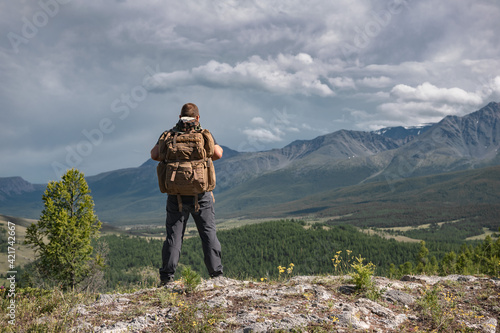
(92, 84)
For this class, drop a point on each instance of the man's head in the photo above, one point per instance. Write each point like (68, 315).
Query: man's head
(189, 110)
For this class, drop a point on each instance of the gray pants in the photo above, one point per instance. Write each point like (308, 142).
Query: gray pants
(176, 226)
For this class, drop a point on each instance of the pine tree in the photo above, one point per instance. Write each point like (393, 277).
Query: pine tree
(448, 263)
(423, 260)
(62, 237)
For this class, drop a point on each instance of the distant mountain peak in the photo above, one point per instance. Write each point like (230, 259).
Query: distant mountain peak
(403, 134)
(493, 105)
(14, 185)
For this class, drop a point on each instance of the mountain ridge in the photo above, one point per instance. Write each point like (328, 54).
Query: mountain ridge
(252, 180)
(454, 143)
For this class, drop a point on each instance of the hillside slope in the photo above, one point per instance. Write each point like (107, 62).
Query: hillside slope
(453, 189)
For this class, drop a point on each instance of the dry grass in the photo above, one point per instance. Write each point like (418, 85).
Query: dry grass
(486, 232)
(385, 235)
(422, 226)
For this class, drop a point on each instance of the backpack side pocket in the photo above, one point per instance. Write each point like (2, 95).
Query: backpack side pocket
(161, 172)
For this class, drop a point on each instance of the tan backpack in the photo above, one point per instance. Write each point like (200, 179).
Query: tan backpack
(186, 166)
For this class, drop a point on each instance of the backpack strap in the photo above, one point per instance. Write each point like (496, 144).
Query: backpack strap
(196, 204)
(175, 139)
(172, 178)
(174, 143)
(179, 202)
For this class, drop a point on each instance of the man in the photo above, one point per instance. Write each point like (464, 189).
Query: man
(201, 209)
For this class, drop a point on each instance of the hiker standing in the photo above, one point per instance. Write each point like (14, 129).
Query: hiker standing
(186, 174)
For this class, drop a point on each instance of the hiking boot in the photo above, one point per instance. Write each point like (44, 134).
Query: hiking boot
(216, 275)
(166, 282)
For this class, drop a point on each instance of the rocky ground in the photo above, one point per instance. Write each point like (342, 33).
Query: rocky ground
(302, 304)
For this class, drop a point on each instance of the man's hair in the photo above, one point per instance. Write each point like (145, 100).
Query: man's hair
(189, 110)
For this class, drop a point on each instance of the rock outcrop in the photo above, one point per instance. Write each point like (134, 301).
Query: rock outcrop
(302, 304)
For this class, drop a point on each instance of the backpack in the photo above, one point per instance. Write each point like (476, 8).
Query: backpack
(186, 166)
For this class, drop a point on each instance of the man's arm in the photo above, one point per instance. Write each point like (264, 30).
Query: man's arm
(155, 153)
(217, 152)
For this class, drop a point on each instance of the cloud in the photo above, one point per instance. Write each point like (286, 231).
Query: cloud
(427, 92)
(415, 113)
(342, 82)
(271, 129)
(496, 84)
(162, 82)
(491, 88)
(262, 135)
(425, 103)
(284, 74)
(375, 82)
(258, 121)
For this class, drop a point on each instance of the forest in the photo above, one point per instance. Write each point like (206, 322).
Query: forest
(256, 251)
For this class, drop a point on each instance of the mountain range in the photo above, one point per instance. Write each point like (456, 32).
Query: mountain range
(253, 183)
